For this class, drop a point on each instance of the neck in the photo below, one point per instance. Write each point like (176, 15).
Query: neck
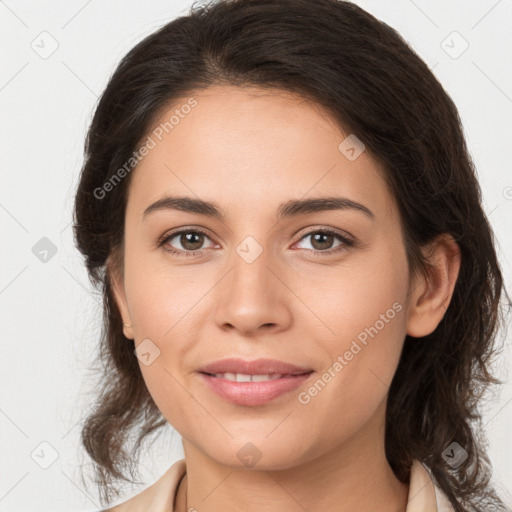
(353, 476)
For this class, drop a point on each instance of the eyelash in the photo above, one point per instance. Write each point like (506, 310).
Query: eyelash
(347, 242)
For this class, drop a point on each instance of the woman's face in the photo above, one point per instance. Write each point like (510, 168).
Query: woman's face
(258, 284)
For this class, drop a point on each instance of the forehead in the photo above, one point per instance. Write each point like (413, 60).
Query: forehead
(249, 147)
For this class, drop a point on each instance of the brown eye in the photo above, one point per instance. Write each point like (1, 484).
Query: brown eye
(191, 241)
(186, 242)
(323, 241)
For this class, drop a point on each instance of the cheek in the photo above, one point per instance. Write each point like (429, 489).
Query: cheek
(158, 296)
(355, 300)
(364, 312)
(362, 361)
(167, 308)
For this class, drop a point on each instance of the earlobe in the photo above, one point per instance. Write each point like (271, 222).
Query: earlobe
(431, 295)
(120, 299)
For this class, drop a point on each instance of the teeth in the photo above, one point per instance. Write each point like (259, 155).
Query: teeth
(242, 377)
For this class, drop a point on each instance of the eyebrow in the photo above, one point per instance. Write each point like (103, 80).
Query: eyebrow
(289, 209)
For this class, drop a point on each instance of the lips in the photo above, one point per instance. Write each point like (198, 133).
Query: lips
(253, 393)
(256, 367)
(253, 383)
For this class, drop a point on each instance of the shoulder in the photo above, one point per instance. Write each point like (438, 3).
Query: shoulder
(443, 503)
(159, 496)
(424, 495)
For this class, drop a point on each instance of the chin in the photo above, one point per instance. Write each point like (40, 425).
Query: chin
(257, 455)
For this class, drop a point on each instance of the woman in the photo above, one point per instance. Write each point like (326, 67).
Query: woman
(278, 203)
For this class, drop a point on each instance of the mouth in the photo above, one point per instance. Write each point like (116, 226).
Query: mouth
(246, 377)
(253, 389)
(256, 367)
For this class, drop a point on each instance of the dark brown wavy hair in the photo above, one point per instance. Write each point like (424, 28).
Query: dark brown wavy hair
(337, 55)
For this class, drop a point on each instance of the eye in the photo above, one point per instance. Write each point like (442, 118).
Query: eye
(322, 241)
(190, 240)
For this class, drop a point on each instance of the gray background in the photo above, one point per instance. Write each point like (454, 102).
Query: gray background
(56, 59)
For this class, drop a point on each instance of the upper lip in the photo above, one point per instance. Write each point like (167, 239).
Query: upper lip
(256, 367)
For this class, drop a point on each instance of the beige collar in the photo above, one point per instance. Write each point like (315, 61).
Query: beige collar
(424, 496)
(159, 497)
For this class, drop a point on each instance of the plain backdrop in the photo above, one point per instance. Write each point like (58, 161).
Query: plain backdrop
(56, 59)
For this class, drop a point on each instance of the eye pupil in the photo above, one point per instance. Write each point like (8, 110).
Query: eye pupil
(187, 242)
(322, 244)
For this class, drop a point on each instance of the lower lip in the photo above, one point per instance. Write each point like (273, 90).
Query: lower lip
(253, 393)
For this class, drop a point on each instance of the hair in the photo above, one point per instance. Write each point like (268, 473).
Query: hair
(336, 55)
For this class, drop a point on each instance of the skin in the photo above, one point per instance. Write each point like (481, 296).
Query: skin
(250, 150)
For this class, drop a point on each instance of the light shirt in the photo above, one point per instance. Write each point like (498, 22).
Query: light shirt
(424, 496)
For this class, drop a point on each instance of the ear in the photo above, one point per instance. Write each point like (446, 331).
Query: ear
(118, 290)
(431, 295)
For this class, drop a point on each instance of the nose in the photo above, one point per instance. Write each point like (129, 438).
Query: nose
(253, 298)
